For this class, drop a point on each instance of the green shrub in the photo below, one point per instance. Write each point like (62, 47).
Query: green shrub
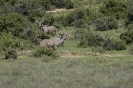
(88, 38)
(57, 25)
(12, 42)
(114, 8)
(78, 17)
(48, 19)
(127, 37)
(68, 4)
(83, 43)
(79, 23)
(104, 23)
(14, 23)
(112, 44)
(98, 49)
(130, 50)
(130, 27)
(29, 35)
(129, 13)
(11, 54)
(35, 14)
(41, 51)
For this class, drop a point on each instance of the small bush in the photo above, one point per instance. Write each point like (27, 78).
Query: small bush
(11, 54)
(112, 44)
(98, 49)
(41, 51)
(68, 4)
(35, 14)
(127, 37)
(88, 38)
(14, 23)
(78, 17)
(113, 8)
(30, 35)
(104, 24)
(130, 50)
(130, 27)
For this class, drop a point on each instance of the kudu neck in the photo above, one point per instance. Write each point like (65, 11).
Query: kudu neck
(41, 28)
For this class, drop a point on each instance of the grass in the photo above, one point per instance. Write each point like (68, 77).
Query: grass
(89, 72)
(113, 69)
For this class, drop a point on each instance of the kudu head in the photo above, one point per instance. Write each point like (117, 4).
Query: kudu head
(40, 24)
(63, 35)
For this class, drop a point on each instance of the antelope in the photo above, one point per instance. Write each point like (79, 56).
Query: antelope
(54, 42)
(46, 28)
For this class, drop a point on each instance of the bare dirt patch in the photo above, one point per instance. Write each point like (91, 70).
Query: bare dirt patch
(68, 54)
(59, 10)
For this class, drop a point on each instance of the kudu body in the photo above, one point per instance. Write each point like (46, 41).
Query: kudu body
(54, 42)
(46, 28)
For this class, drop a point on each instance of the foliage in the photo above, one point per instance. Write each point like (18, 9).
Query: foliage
(41, 51)
(89, 38)
(14, 23)
(104, 23)
(98, 49)
(49, 19)
(127, 37)
(31, 35)
(129, 19)
(130, 50)
(57, 3)
(8, 41)
(78, 17)
(11, 54)
(130, 27)
(114, 8)
(68, 4)
(35, 14)
(113, 44)
(25, 7)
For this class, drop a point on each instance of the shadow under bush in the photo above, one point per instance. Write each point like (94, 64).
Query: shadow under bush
(11, 54)
(42, 51)
(127, 37)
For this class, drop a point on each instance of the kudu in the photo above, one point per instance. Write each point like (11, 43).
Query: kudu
(46, 28)
(54, 42)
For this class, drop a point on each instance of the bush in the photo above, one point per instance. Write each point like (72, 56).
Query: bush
(78, 17)
(114, 8)
(98, 49)
(88, 38)
(130, 27)
(11, 54)
(103, 24)
(41, 51)
(69, 4)
(112, 44)
(49, 19)
(129, 13)
(35, 14)
(130, 50)
(14, 23)
(30, 35)
(127, 37)
(11, 42)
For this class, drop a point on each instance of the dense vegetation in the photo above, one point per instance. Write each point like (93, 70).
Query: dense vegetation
(97, 53)
(17, 19)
